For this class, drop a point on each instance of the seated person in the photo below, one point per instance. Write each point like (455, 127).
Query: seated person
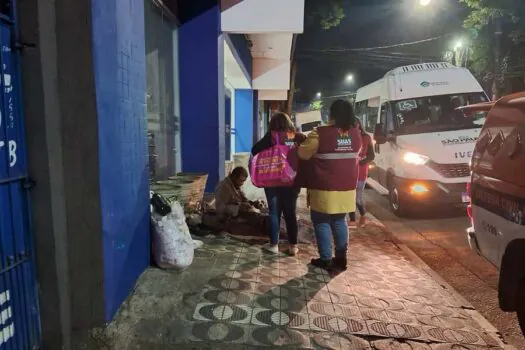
(230, 201)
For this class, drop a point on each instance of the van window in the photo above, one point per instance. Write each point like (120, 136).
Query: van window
(367, 115)
(384, 114)
(389, 119)
(437, 113)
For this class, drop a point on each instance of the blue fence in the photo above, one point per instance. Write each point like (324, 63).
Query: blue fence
(19, 316)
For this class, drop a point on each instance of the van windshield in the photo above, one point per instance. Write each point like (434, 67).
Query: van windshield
(437, 113)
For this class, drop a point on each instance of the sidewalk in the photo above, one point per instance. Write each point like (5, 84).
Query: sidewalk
(235, 296)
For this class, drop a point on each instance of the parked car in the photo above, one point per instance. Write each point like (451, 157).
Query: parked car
(497, 191)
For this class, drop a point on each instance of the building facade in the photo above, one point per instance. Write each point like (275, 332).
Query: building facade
(108, 96)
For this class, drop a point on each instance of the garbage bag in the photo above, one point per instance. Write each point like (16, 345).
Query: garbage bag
(172, 243)
(197, 244)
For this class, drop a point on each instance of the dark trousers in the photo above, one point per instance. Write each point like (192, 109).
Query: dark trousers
(282, 200)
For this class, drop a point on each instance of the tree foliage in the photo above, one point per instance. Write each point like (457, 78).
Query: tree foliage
(482, 25)
(327, 14)
(510, 12)
(316, 105)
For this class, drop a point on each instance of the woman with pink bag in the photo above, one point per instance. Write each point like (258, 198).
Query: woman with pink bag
(281, 199)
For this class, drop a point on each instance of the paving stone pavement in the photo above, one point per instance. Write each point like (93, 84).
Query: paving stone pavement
(236, 296)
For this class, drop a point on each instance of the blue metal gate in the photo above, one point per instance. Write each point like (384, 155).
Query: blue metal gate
(19, 316)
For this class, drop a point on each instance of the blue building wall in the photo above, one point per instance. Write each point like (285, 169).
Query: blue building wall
(243, 120)
(120, 79)
(244, 98)
(201, 69)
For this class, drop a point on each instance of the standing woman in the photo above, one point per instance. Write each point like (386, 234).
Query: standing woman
(332, 154)
(281, 200)
(366, 156)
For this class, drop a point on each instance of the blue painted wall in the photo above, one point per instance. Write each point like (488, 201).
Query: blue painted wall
(243, 120)
(120, 78)
(201, 71)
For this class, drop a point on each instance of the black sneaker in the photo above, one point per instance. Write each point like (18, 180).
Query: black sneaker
(340, 263)
(323, 264)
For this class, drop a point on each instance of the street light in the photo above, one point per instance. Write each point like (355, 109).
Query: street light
(349, 78)
(318, 95)
(425, 2)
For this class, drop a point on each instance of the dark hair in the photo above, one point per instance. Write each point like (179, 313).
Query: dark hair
(342, 114)
(281, 122)
(239, 171)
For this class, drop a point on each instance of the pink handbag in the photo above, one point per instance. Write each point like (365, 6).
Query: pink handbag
(271, 167)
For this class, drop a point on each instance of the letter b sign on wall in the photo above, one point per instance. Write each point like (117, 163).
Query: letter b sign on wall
(11, 127)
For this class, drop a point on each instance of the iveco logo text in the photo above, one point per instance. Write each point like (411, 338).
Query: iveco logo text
(426, 84)
(458, 140)
(462, 155)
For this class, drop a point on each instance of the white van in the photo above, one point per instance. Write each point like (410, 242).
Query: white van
(423, 142)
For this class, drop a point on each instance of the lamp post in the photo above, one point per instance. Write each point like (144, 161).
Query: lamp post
(349, 78)
(318, 95)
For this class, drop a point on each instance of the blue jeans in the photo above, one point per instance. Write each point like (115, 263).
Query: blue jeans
(360, 204)
(282, 200)
(326, 226)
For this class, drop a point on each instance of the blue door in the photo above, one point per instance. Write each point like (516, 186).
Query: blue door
(19, 317)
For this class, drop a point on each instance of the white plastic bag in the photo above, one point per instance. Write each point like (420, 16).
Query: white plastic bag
(172, 243)
(197, 244)
(251, 192)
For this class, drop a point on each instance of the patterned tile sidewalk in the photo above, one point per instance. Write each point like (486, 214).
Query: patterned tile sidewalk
(235, 296)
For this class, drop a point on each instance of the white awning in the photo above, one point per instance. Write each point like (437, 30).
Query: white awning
(273, 95)
(270, 26)
(262, 16)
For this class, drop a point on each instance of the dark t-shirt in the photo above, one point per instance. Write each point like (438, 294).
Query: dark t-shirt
(262, 144)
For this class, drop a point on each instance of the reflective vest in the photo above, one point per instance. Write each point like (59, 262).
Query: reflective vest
(335, 166)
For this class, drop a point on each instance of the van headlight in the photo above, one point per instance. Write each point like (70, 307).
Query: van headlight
(415, 159)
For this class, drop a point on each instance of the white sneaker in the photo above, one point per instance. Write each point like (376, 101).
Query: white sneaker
(293, 250)
(271, 248)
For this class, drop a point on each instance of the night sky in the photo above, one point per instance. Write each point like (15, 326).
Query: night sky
(323, 62)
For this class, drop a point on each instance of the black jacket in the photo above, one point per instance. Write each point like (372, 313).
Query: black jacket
(262, 144)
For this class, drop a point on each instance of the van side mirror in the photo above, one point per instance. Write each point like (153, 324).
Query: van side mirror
(380, 136)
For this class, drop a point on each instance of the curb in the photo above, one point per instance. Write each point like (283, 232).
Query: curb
(482, 321)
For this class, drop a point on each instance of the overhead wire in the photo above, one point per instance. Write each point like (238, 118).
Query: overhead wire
(381, 47)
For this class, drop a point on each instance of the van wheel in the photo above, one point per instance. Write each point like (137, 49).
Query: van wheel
(397, 205)
(520, 305)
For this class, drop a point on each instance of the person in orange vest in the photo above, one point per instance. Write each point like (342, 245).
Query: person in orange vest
(330, 174)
